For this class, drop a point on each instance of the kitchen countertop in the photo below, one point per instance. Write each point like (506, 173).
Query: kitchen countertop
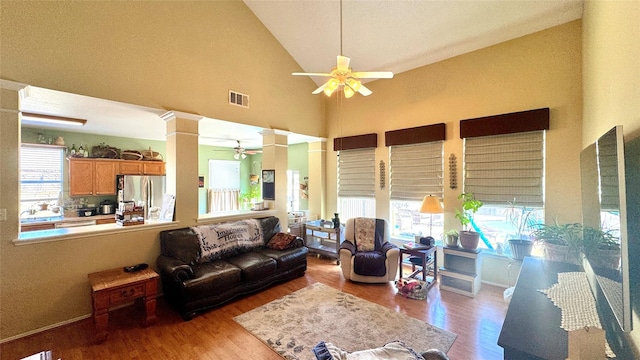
(66, 219)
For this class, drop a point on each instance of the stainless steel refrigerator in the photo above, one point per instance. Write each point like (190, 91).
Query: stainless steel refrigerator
(145, 191)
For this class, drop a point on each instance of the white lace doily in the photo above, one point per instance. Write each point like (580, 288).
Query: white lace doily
(573, 296)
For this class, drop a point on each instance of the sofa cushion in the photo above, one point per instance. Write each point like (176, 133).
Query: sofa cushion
(287, 259)
(254, 265)
(211, 278)
(281, 241)
(370, 263)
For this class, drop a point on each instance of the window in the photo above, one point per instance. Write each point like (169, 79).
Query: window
(224, 186)
(415, 171)
(41, 169)
(293, 184)
(356, 183)
(506, 172)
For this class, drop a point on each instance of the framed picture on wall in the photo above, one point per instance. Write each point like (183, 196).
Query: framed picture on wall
(269, 184)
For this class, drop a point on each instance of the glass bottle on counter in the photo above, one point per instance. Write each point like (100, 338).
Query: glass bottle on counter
(81, 151)
(73, 150)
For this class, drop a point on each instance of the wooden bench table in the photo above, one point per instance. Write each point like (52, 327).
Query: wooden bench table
(115, 287)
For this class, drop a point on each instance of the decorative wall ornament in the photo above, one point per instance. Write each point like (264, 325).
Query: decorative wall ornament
(382, 174)
(453, 172)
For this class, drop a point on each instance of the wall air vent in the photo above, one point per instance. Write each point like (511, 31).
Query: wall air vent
(238, 99)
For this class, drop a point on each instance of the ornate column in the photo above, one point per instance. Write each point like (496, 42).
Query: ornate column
(182, 164)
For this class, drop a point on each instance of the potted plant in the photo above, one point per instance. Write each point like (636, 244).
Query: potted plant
(601, 248)
(451, 238)
(249, 197)
(470, 205)
(562, 242)
(523, 219)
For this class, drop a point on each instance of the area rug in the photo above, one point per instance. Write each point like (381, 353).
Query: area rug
(295, 323)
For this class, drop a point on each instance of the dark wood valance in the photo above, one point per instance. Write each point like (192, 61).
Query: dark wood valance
(523, 121)
(355, 142)
(416, 135)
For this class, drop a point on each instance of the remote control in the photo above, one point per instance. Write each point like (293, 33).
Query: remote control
(135, 268)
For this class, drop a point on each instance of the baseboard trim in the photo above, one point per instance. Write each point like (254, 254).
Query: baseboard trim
(62, 323)
(495, 284)
(53, 326)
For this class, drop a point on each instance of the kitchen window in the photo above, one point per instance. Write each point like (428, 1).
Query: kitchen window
(41, 176)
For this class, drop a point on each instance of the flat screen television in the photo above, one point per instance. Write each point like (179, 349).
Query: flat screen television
(604, 212)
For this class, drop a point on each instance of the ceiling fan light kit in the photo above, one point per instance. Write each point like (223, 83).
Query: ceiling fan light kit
(342, 76)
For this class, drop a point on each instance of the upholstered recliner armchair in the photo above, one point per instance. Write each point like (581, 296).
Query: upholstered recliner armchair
(366, 255)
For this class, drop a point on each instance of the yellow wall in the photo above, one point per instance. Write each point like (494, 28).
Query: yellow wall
(611, 54)
(173, 55)
(182, 56)
(535, 71)
(611, 86)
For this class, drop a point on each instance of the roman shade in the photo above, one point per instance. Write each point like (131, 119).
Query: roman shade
(608, 173)
(356, 173)
(503, 168)
(416, 170)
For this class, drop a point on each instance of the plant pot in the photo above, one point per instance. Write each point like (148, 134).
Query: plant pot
(520, 248)
(469, 239)
(554, 252)
(451, 241)
(605, 258)
(561, 253)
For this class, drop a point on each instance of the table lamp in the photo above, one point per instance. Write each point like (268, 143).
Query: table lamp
(431, 205)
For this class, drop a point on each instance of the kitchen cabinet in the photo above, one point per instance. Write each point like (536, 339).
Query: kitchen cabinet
(135, 167)
(130, 168)
(92, 177)
(153, 167)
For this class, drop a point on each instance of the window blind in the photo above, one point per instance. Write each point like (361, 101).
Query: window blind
(356, 173)
(503, 168)
(40, 173)
(416, 170)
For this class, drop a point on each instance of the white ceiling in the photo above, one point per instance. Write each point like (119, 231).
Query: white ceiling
(380, 35)
(400, 35)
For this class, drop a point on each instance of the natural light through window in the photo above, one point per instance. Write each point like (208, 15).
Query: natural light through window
(41, 176)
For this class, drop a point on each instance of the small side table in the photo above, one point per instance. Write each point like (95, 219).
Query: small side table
(114, 287)
(424, 254)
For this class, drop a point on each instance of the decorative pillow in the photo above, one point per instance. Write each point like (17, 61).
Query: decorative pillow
(281, 241)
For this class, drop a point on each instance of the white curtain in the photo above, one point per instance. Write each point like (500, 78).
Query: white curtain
(222, 200)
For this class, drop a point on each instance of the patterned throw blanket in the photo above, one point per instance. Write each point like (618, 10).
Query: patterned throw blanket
(219, 240)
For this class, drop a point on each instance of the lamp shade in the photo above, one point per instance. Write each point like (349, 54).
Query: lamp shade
(431, 205)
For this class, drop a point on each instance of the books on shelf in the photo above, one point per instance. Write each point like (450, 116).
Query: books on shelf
(415, 246)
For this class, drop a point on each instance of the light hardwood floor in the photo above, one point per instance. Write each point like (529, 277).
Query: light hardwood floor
(214, 334)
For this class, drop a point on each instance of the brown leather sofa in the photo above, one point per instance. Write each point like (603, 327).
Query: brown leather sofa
(191, 285)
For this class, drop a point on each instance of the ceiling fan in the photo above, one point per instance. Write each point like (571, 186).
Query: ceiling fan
(242, 152)
(343, 76)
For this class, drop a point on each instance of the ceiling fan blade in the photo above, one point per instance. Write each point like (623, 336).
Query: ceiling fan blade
(253, 152)
(372, 74)
(364, 91)
(343, 63)
(311, 74)
(319, 90)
